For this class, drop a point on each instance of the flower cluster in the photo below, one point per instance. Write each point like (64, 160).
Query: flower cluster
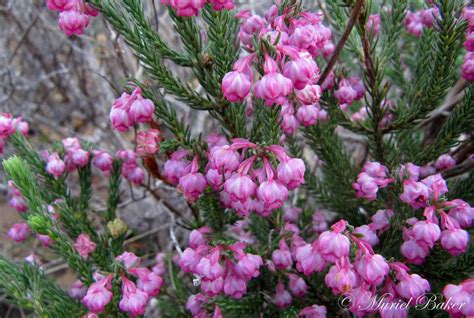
(75, 157)
(134, 295)
(292, 71)
(73, 15)
(130, 109)
(373, 176)
(222, 269)
(10, 125)
(467, 69)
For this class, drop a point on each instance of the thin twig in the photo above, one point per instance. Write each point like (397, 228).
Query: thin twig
(342, 41)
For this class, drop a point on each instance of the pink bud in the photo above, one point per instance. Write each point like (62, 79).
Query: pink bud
(307, 115)
(84, 245)
(414, 193)
(469, 43)
(98, 295)
(197, 237)
(412, 286)
(19, 232)
(224, 158)
(73, 22)
(368, 234)
(301, 71)
(240, 187)
(289, 124)
(333, 246)
(59, 5)
(45, 239)
(79, 157)
(120, 119)
(148, 142)
(209, 266)
(235, 86)
(78, 290)
(134, 174)
(372, 268)
(141, 110)
(297, 285)
(341, 277)
(129, 260)
(282, 256)
(462, 212)
(309, 95)
(102, 160)
(133, 300)
(195, 303)
(373, 23)
(414, 251)
(291, 172)
(192, 184)
(282, 297)
(234, 286)
(55, 165)
(148, 281)
(212, 287)
(345, 94)
(468, 67)
(308, 260)
(445, 162)
(18, 203)
(455, 241)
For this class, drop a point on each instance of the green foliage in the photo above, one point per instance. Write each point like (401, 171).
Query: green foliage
(27, 286)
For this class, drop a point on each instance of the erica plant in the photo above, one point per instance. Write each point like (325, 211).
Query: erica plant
(339, 181)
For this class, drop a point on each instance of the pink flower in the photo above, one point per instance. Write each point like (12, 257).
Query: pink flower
(133, 300)
(333, 244)
(148, 142)
(309, 95)
(307, 115)
(367, 234)
(212, 287)
(414, 251)
(141, 110)
(102, 160)
(445, 162)
(248, 265)
(98, 295)
(273, 87)
(428, 16)
(187, 8)
(133, 173)
(412, 286)
(289, 124)
(217, 312)
(176, 167)
(73, 22)
(468, 14)
(462, 212)
(341, 277)
(189, 260)
(415, 194)
(373, 23)
(78, 290)
(224, 158)
(410, 171)
(193, 183)
(365, 187)
(79, 157)
(272, 193)
(301, 70)
(314, 311)
(234, 286)
(84, 245)
(19, 232)
(18, 203)
(282, 297)
(120, 119)
(55, 166)
(455, 241)
(372, 268)
(291, 214)
(282, 256)
(235, 86)
(291, 172)
(195, 303)
(240, 187)
(45, 239)
(148, 281)
(209, 266)
(250, 24)
(308, 260)
(426, 232)
(6, 125)
(297, 285)
(381, 219)
(197, 237)
(345, 94)
(414, 24)
(129, 259)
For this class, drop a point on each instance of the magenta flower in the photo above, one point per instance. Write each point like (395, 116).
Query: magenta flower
(84, 245)
(133, 300)
(19, 232)
(98, 295)
(282, 297)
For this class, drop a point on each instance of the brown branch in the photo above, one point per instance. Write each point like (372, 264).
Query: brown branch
(460, 169)
(342, 41)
